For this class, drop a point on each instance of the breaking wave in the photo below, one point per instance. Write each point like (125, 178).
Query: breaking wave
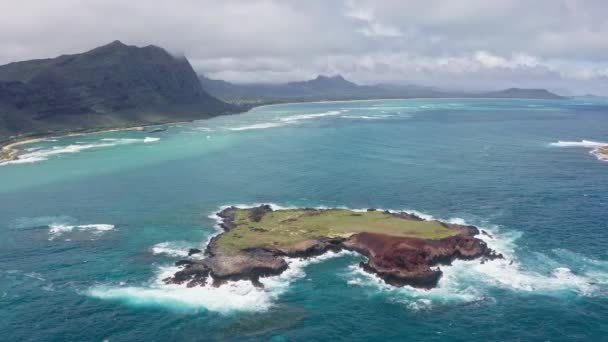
(230, 297)
(582, 143)
(256, 126)
(299, 117)
(39, 154)
(57, 230)
(462, 282)
(283, 121)
(594, 145)
(174, 249)
(367, 117)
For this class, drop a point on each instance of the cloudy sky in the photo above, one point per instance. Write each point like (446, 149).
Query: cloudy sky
(474, 44)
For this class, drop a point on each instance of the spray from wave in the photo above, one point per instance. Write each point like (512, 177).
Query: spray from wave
(174, 249)
(225, 299)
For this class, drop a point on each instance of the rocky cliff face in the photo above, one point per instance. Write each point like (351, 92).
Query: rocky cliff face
(109, 86)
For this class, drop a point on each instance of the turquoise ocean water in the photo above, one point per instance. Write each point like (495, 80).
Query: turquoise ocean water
(89, 225)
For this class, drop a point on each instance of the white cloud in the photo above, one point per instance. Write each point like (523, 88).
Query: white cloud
(503, 43)
(379, 30)
(515, 61)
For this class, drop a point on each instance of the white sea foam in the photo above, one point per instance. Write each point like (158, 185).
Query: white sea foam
(288, 120)
(57, 230)
(230, 297)
(175, 248)
(367, 117)
(40, 154)
(362, 117)
(594, 145)
(469, 281)
(257, 126)
(300, 117)
(582, 143)
(203, 129)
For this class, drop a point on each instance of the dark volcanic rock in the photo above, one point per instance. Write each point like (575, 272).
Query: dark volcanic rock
(408, 261)
(193, 274)
(257, 213)
(193, 251)
(227, 216)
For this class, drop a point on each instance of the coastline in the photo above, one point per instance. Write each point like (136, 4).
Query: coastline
(601, 153)
(9, 151)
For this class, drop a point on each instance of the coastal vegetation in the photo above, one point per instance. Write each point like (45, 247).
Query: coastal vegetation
(284, 228)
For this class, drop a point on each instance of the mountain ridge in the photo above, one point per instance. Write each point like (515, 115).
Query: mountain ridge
(114, 85)
(336, 87)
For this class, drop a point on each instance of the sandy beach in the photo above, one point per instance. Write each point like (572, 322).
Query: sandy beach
(11, 152)
(602, 153)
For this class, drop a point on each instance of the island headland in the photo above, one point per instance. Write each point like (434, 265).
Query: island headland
(401, 248)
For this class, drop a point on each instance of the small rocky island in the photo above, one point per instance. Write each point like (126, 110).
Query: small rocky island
(401, 248)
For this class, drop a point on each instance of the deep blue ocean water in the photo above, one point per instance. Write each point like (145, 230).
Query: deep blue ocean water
(90, 224)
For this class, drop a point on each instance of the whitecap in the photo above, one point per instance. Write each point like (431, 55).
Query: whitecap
(363, 117)
(311, 116)
(582, 143)
(230, 297)
(367, 117)
(59, 229)
(174, 249)
(257, 126)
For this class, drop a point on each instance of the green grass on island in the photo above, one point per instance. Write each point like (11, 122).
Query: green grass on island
(283, 228)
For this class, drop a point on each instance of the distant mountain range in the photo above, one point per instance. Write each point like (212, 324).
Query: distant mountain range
(117, 85)
(338, 88)
(114, 85)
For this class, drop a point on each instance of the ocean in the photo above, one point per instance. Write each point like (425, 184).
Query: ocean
(91, 224)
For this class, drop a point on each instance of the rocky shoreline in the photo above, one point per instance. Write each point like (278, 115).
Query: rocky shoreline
(399, 261)
(602, 153)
